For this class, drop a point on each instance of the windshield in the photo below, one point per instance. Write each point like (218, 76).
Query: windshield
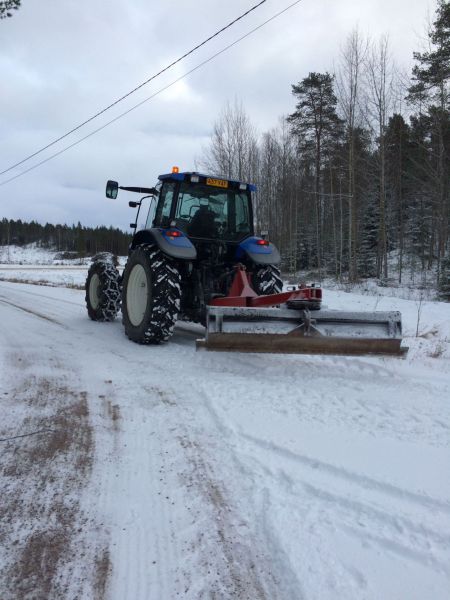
(208, 212)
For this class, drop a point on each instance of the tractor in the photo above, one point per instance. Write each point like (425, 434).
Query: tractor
(198, 259)
(197, 230)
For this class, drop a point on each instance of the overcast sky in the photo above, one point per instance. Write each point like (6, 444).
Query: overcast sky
(62, 61)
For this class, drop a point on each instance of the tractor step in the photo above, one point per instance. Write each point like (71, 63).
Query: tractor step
(284, 330)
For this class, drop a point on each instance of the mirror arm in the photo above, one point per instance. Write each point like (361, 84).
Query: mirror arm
(139, 190)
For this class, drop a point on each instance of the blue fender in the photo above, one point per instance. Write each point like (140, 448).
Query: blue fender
(178, 246)
(259, 251)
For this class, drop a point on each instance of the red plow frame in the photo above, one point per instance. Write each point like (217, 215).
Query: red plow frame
(242, 294)
(243, 321)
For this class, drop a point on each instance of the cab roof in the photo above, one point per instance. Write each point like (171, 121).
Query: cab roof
(186, 176)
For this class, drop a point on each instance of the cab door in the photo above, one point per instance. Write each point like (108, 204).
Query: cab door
(165, 208)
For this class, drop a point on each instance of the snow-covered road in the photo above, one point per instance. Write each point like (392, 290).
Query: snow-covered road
(162, 472)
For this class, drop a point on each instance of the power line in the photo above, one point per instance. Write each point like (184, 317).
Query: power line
(138, 87)
(35, 166)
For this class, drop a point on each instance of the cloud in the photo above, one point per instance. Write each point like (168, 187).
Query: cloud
(62, 62)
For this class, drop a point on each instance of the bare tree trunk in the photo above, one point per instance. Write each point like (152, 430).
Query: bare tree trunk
(348, 86)
(318, 209)
(400, 208)
(341, 230)
(333, 214)
(379, 88)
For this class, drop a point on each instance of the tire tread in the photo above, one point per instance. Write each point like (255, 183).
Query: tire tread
(165, 298)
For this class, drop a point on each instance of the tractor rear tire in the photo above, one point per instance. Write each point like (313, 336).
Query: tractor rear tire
(150, 296)
(267, 280)
(103, 289)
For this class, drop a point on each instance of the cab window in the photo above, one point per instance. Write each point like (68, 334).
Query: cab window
(242, 215)
(213, 213)
(162, 218)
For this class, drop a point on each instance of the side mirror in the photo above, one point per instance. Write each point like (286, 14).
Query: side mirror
(112, 189)
(133, 225)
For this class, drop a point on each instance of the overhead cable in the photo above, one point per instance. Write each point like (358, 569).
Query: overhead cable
(138, 87)
(175, 81)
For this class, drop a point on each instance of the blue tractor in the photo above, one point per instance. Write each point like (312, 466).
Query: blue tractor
(198, 259)
(197, 230)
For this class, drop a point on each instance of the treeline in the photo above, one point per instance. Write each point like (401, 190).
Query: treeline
(355, 181)
(84, 241)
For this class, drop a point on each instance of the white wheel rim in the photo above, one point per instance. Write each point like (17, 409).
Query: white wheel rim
(137, 294)
(94, 291)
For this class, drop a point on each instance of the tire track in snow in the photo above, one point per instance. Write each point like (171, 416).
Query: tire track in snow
(362, 481)
(243, 569)
(139, 513)
(218, 544)
(29, 289)
(283, 582)
(30, 311)
(398, 521)
(234, 563)
(179, 532)
(345, 508)
(404, 536)
(48, 297)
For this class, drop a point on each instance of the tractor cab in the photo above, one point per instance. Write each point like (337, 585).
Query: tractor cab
(197, 217)
(204, 208)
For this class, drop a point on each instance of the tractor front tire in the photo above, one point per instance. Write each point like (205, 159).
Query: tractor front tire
(103, 290)
(267, 280)
(150, 296)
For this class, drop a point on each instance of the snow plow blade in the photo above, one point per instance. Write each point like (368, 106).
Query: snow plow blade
(289, 331)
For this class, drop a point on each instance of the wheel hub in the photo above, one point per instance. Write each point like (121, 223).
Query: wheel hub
(94, 291)
(137, 295)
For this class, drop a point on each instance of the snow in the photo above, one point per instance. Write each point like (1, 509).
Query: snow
(32, 254)
(52, 275)
(41, 266)
(226, 475)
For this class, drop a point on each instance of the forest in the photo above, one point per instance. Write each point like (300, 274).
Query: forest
(76, 239)
(354, 182)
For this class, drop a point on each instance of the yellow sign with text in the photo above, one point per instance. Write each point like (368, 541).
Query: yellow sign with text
(217, 182)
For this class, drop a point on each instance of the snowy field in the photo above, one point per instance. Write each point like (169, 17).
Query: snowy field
(162, 472)
(40, 266)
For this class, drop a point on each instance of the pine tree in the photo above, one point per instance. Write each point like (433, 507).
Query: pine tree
(315, 123)
(431, 77)
(432, 73)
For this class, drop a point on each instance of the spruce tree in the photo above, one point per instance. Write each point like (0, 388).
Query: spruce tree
(7, 6)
